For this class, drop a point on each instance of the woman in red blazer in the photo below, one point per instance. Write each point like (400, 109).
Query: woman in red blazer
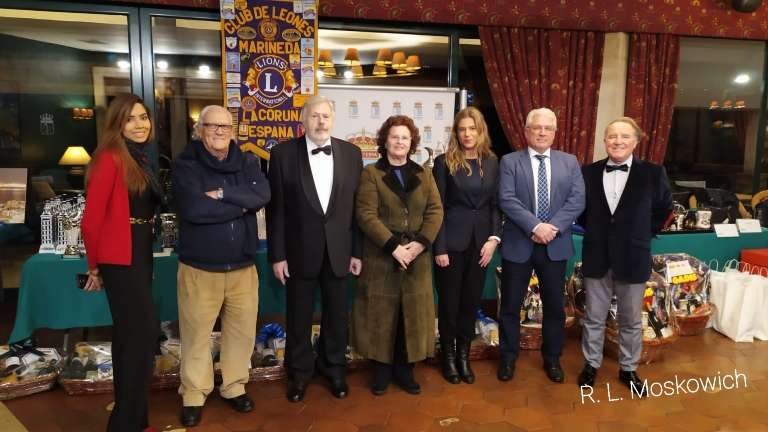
(122, 193)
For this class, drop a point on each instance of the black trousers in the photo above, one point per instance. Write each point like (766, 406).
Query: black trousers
(332, 345)
(514, 285)
(134, 333)
(460, 287)
(399, 368)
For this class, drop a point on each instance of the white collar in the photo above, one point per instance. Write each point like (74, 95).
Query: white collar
(532, 153)
(628, 162)
(311, 144)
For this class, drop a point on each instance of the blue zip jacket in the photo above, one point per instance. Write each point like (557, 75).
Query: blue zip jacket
(218, 235)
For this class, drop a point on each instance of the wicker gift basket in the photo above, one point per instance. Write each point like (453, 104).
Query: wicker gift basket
(659, 326)
(532, 311)
(89, 369)
(689, 292)
(27, 371)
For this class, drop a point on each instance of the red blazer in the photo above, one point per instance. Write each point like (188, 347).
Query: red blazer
(106, 225)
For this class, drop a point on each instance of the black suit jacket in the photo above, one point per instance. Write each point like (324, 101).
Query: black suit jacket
(622, 241)
(297, 229)
(466, 215)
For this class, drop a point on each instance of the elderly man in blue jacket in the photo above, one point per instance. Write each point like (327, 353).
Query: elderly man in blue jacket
(218, 189)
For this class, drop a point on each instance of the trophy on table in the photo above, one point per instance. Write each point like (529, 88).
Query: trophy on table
(46, 231)
(71, 224)
(169, 230)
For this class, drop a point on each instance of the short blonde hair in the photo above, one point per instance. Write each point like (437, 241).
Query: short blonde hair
(630, 121)
(541, 112)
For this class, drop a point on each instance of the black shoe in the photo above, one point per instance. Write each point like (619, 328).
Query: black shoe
(450, 373)
(409, 385)
(296, 390)
(242, 403)
(339, 388)
(587, 376)
(382, 374)
(403, 374)
(462, 363)
(554, 371)
(506, 370)
(631, 380)
(191, 415)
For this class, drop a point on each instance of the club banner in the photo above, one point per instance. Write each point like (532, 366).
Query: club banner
(268, 66)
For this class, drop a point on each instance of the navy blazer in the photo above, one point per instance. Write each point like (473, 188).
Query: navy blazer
(622, 241)
(466, 215)
(517, 201)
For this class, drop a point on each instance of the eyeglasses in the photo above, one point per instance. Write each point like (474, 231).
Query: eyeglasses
(213, 127)
(537, 129)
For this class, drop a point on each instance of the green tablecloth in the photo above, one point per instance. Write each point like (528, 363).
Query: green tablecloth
(49, 298)
(704, 246)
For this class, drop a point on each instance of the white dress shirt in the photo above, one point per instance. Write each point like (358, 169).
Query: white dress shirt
(535, 166)
(321, 165)
(614, 183)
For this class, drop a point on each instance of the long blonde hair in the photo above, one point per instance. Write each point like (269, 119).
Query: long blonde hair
(454, 156)
(112, 139)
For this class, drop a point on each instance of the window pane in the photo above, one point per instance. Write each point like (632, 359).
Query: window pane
(368, 58)
(714, 130)
(187, 55)
(59, 71)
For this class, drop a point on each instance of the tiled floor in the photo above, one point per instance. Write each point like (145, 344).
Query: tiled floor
(528, 402)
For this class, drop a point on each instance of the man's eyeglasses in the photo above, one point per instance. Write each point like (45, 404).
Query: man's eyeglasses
(213, 127)
(538, 129)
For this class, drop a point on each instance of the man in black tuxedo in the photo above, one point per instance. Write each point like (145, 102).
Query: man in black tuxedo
(628, 201)
(313, 240)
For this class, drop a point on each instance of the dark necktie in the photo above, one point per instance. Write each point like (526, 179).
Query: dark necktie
(542, 195)
(324, 149)
(622, 167)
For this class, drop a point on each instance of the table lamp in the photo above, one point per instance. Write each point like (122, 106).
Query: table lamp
(76, 158)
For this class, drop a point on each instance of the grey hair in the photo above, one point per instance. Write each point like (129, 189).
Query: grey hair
(541, 112)
(197, 130)
(315, 100)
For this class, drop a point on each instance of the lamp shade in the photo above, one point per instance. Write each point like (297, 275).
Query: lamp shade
(384, 57)
(412, 64)
(75, 155)
(398, 60)
(352, 57)
(324, 59)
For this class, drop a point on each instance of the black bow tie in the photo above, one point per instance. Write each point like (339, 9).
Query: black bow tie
(324, 149)
(622, 167)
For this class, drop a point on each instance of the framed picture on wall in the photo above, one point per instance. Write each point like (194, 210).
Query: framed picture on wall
(13, 195)
(10, 144)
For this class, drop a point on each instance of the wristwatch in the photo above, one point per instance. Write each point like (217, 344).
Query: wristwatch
(220, 193)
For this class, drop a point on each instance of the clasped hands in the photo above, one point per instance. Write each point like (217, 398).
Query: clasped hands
(405, 254)
(544, 233)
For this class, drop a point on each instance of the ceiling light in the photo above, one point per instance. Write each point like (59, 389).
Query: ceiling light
(162, 65)
(741, 79)
(348, 74)
(123, 64)
(204, 69)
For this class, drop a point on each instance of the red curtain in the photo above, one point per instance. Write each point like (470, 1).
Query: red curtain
(557, 69)
(651, 89)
